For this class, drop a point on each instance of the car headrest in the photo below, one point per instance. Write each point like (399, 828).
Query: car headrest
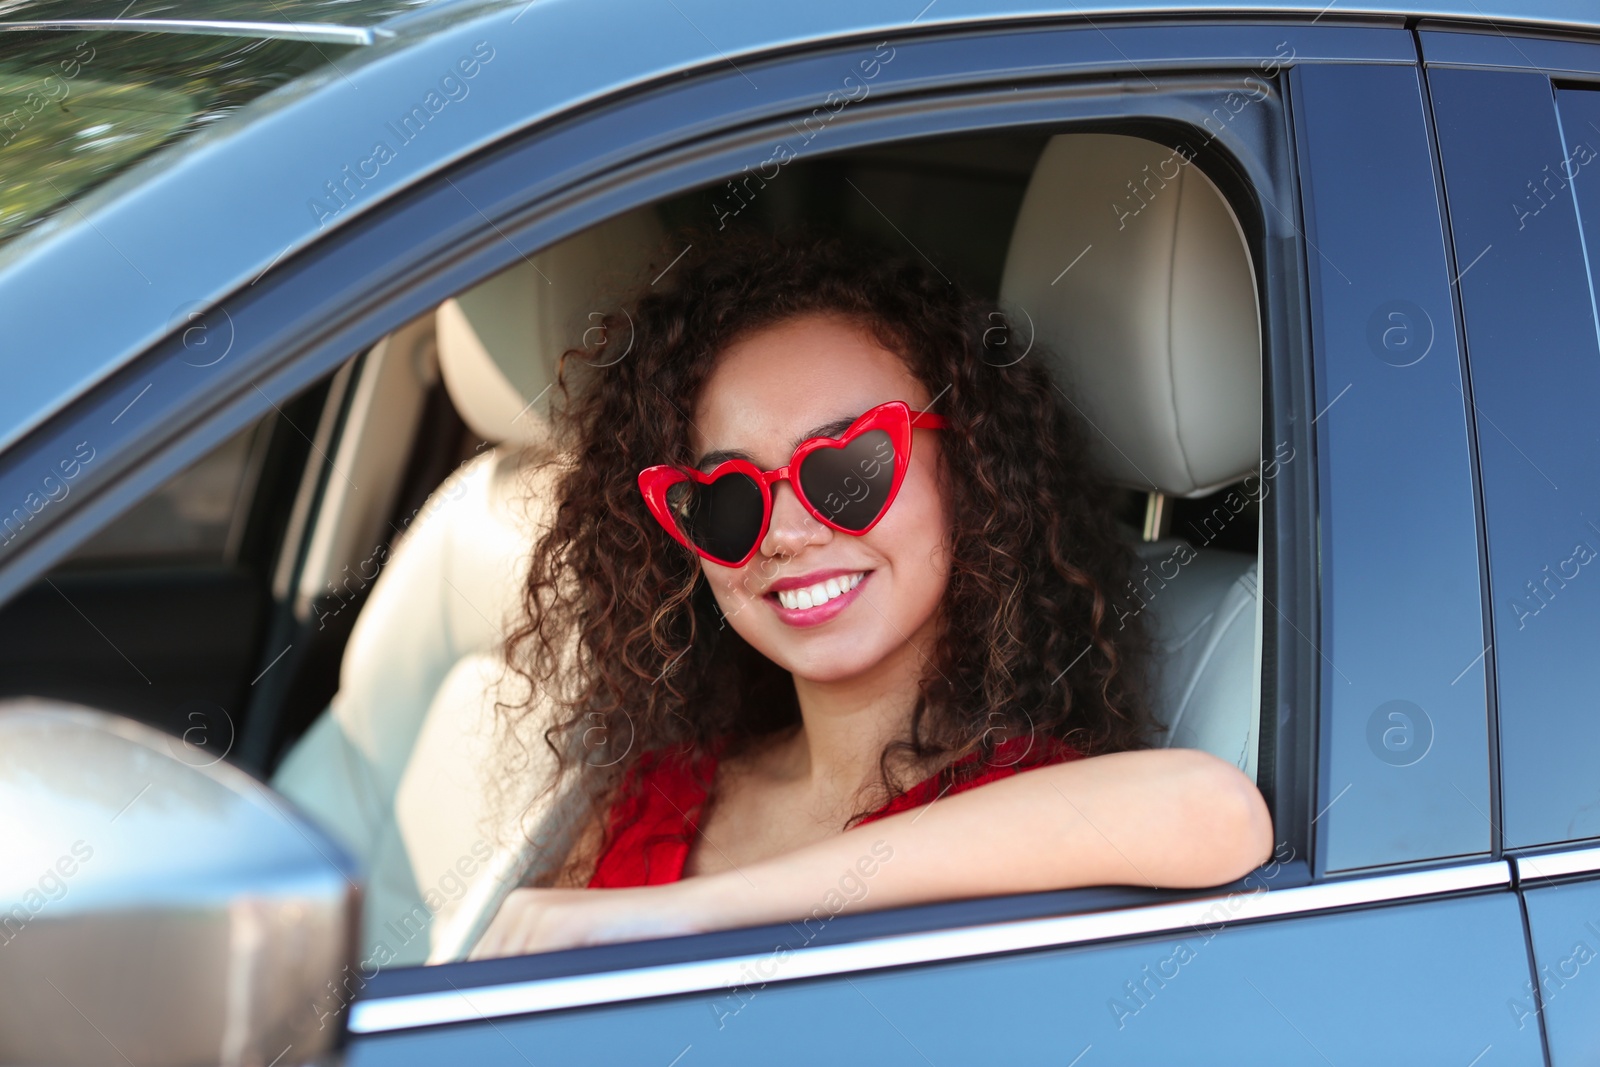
(500, 340)
(1137, 279)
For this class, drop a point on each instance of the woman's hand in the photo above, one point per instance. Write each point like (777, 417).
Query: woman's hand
(543, 920)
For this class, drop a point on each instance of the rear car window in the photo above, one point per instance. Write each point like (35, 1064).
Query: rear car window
(1524, 201)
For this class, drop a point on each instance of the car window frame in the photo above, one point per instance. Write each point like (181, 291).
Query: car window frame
(294, 327)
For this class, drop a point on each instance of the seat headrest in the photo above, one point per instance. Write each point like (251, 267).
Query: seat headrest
(500, 340)
(1138, 281)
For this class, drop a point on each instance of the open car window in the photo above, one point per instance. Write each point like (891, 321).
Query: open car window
(426, 811)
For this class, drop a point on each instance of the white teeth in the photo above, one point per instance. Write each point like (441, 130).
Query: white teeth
(821, 593)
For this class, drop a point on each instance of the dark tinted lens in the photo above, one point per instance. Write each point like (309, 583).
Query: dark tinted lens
(723, 518)
(850, 485)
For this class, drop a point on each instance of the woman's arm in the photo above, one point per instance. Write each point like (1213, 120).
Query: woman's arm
(1170, 818)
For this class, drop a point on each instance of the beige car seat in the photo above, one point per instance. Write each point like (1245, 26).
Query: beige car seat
(401, 767)
(1129, 266)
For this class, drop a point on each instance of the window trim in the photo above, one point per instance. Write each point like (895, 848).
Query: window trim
(1545, 866)
(408, 1011)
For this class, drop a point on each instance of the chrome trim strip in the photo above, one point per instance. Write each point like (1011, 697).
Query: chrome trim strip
(285, 31)
(1557, 864)
(782, 965)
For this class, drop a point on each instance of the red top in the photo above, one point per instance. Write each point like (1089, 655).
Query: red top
(649, 834)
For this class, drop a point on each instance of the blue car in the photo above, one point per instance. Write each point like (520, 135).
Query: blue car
(283, 284)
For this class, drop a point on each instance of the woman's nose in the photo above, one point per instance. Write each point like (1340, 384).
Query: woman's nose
(792, 527)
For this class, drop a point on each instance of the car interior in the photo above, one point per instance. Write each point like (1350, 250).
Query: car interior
(323, 600)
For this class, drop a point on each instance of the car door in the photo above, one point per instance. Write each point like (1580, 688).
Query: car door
(1350, 939)
(1519, 134)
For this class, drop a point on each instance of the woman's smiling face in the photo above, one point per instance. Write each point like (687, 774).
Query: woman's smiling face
(812, 376)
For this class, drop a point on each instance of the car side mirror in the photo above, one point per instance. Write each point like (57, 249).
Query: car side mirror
(160, 907)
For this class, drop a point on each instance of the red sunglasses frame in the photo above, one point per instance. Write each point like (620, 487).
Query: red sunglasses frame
(894, 418)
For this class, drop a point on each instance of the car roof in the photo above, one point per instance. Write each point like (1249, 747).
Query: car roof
(1571, 14)
(144, 248)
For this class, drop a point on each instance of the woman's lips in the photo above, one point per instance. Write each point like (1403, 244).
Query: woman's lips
(821, 613)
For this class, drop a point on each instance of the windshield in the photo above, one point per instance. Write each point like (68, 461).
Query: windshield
(77, 108)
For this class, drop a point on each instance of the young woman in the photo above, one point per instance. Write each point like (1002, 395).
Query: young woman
(839, 578)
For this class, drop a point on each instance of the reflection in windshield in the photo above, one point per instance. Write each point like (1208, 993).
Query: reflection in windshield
(339, 12)
(78, 108)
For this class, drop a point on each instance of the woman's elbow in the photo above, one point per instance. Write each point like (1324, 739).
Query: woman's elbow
(1233, 822)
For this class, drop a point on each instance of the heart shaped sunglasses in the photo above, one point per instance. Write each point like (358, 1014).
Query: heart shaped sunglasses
(845, 482)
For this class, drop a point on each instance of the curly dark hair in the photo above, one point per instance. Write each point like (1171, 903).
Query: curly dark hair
(620, 623)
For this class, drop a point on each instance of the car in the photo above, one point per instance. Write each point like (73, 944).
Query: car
(1316, 273)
